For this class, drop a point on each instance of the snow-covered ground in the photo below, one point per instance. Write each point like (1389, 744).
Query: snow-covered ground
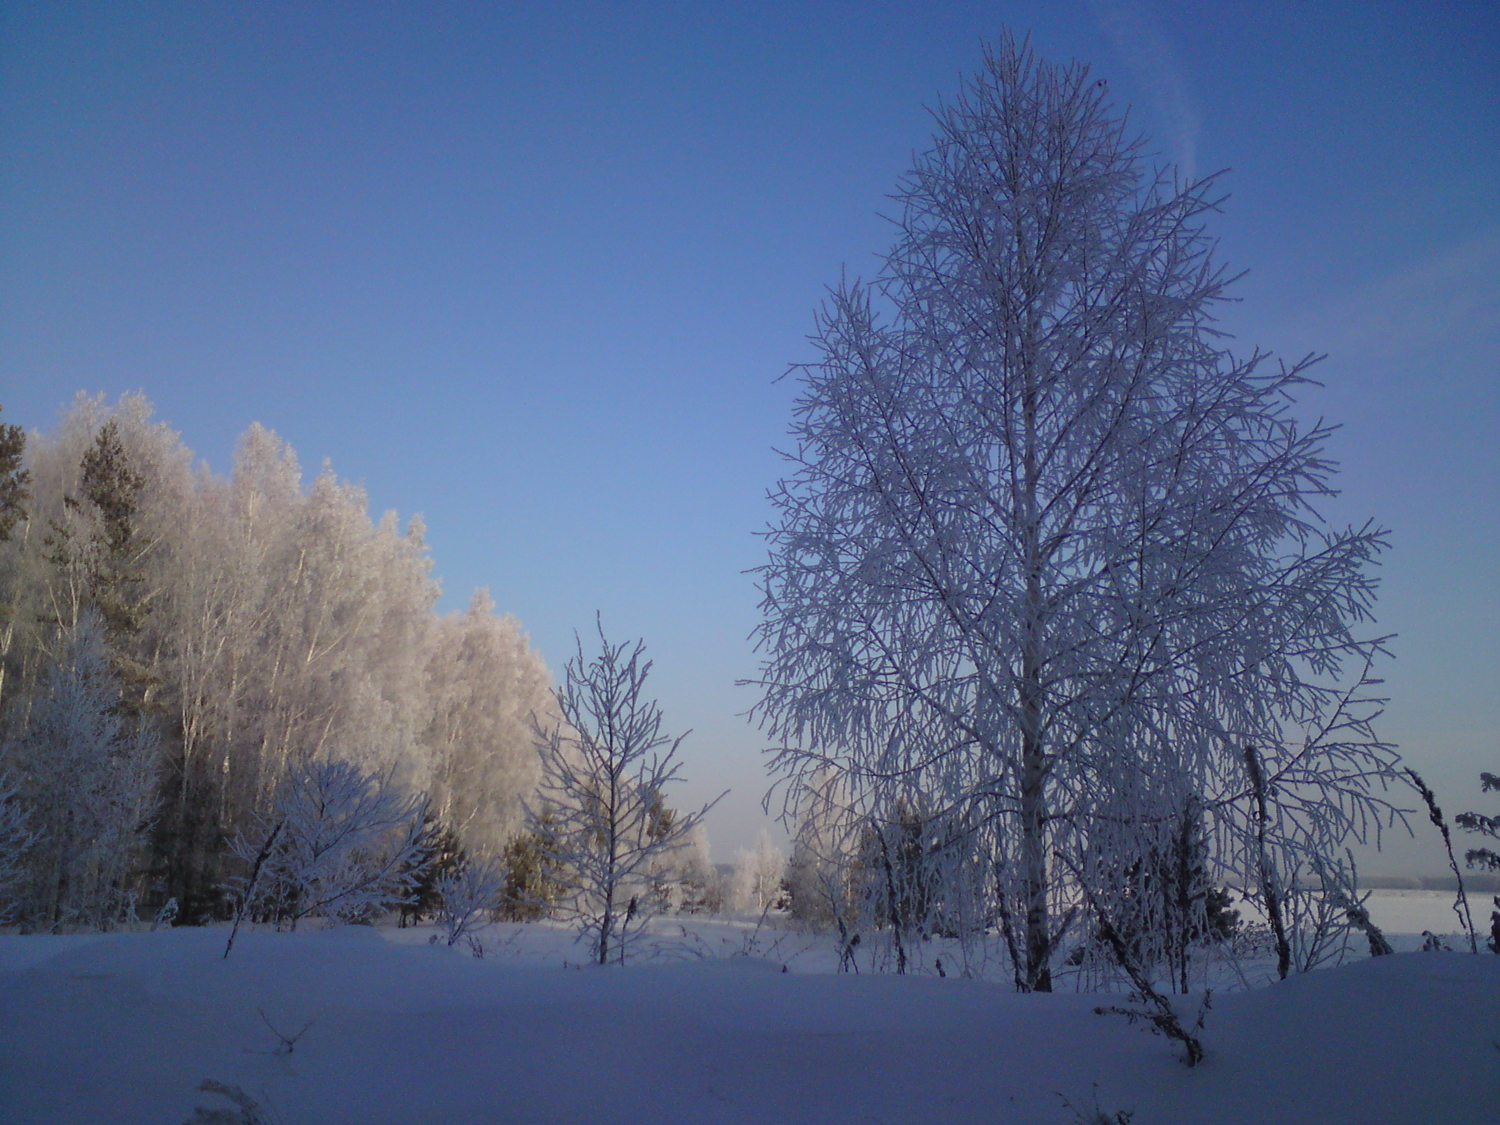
(723, 1023)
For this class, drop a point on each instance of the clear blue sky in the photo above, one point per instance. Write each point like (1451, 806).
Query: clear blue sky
(533, 270)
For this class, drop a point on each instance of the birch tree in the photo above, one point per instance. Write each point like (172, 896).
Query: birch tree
(601, 807)
(1048, 556)
(484, 685)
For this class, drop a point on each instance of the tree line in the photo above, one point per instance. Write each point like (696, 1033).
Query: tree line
(173, 642)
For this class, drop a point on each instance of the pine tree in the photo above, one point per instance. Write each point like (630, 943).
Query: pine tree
(14, 479)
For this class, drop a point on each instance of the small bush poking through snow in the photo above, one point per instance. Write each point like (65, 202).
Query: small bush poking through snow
(338, 843)
(1093, 1115)
(465, 898)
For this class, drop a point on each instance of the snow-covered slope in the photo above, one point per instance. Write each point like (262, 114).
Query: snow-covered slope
(120, 1029)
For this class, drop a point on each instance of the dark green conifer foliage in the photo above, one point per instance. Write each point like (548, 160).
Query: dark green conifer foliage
(96, 549)
(113, 487)
(14, 480)
(531, 884)
(438, 856)
(14, 492)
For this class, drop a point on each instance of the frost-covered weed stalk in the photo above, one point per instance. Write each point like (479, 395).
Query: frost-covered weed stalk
(1048, 559)
(1440, 822)
(611, 840)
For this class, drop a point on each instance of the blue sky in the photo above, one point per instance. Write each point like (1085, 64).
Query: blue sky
(533, 270)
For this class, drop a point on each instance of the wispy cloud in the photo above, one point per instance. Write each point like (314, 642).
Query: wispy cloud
(1447, 304)
(1150, 56)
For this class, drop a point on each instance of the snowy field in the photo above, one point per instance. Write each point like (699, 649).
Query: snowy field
(722, 1023)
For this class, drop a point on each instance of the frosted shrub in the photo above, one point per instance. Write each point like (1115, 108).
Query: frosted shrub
(338, 843)
(466, 896)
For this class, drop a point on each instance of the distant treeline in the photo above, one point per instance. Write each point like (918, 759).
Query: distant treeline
(1473, 882)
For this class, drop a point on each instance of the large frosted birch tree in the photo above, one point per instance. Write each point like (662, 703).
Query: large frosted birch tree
(1048, 556)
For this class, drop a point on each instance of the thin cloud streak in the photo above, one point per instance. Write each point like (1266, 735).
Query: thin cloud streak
(1449, 301)
(1149, 55)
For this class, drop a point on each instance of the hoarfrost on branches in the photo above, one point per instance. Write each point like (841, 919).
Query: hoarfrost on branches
(1049, 556)
(338, 843)
(612, 841)
(759, 874)
(250, 621)
(466, 896)
(88, 788)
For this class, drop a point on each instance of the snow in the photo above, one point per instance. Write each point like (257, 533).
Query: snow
(122, 1028)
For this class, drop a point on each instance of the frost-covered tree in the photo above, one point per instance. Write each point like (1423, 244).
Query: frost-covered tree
(759, 877)
(88, 787)
(1045, 535)
(601, 807)
(485, 684)
(338, 843)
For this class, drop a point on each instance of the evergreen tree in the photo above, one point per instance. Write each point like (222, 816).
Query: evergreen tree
(14, 478)
(532, 882)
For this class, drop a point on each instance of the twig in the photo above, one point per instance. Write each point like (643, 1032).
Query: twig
(265, 851)
(288, 1043)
